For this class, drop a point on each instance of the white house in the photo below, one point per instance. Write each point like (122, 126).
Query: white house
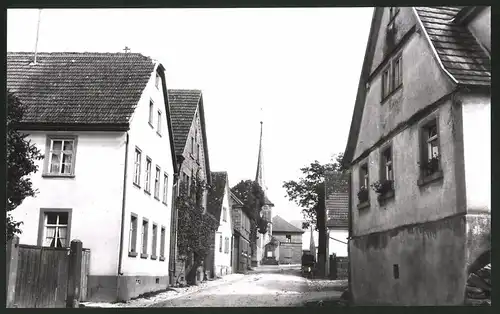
(102, 122)
(218, 205)
(337, 210)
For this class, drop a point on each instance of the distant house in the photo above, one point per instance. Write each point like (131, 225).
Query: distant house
(241, 255)
(102, 121)
(191, 150)
(418, 153)
(289, 240)
(219, 206)
(337, 210)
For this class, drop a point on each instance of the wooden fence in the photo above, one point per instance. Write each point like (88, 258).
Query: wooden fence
(44, 277)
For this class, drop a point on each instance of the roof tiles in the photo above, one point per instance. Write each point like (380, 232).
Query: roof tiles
(281, 225)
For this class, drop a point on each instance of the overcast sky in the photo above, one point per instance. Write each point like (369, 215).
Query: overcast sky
(301, 66)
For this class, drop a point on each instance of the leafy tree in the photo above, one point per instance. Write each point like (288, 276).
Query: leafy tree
(21, 157)
(196, 228)
(252, 196)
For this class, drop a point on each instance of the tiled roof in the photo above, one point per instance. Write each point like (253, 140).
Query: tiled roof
(337, 200)
(78, 88)
(281, 225)
(183, 104)
(457, 49)
(216, 193)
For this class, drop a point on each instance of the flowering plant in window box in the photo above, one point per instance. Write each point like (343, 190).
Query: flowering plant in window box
(384, 189)
(363, 195)
(431, 165)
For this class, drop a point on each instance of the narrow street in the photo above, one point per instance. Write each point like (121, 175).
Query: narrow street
(266, 286)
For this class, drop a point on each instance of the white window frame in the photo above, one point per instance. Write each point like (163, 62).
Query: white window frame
(132, 239)
(151, 110)
(388, 163)
(220, 243)
(61, 153)
(144, 236)
(432, 139)
(137, 166)
(154, 240)
(163, 232)
(224, 213)
(165, 188)
(57, 226)
(157, 182)
(158, 123)
(147, 179)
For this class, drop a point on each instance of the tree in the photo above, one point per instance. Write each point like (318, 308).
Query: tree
(195, 228)
(309, 193)
(21, 157)
(252, 196)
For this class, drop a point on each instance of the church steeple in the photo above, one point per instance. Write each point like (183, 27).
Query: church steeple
(259, 176)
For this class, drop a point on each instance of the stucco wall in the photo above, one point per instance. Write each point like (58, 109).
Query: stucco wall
(416, 93)
(477, 151)
(431, 261)
(480, 27)
(222, 259)
(412, 203)
(94, 195)
(144, 205)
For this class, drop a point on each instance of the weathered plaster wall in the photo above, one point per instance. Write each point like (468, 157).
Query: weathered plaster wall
(431, 261)
(403, 22)
(416, 93)
(480, 27)
(96, 201)
(412, 203)
(477, 151)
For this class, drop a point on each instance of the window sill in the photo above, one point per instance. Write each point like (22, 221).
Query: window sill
(49, 175)
(157, 198)
(136, 185)
(132, 254)
(162, 258)
(144, 255)
(384, 100)
(438, 175)
(198, 162)
(154, 257)
(158, 133)
(385, 197)
(364, 205)
(147, 192)
(164, 203)
(151, 125)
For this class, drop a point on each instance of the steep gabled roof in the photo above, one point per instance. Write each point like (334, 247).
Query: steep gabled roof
(183, 106)
(78, 88)
(461, 56)
(216, 193)
(456, 50)
(337, 200)
(281, 225)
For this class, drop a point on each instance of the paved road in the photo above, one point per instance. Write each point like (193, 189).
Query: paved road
(266, 286)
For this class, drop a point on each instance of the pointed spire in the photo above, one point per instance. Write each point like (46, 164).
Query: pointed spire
(312, 245)
(259, 176)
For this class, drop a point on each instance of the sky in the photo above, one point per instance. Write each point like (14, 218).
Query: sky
(296, 69)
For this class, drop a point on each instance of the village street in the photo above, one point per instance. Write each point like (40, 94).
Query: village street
(265, 286)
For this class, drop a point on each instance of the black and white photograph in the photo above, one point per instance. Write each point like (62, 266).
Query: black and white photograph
(170, 157)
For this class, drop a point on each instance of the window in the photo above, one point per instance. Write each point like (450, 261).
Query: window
(157, 183)
(162, 244)
(144, 236)
(196, 142)
(55, 229)
(364, 176)
(158, 81)
(289, 238)
(137, 167)
(198, 152)
(151, 108)
(226, 245)
(224, 213)
(220, 243)
(188, 182)
(387, 169)
(147, 180)
(155, 241)
(398, 72)
(132, 239)
(386, 83)
(165, 188)
(430, 148)
(158, 123)
(61, 158)
(192, 145)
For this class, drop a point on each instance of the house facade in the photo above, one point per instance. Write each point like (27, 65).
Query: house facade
(219, 207)
(91, 112)
(191, 150)
(289, 240)
(241, 249)
(337, 210)
(418, 154)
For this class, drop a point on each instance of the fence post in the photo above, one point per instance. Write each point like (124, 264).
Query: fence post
(75, 274)
(12, 256)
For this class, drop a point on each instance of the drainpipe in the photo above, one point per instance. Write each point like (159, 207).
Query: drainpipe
(123, 216)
